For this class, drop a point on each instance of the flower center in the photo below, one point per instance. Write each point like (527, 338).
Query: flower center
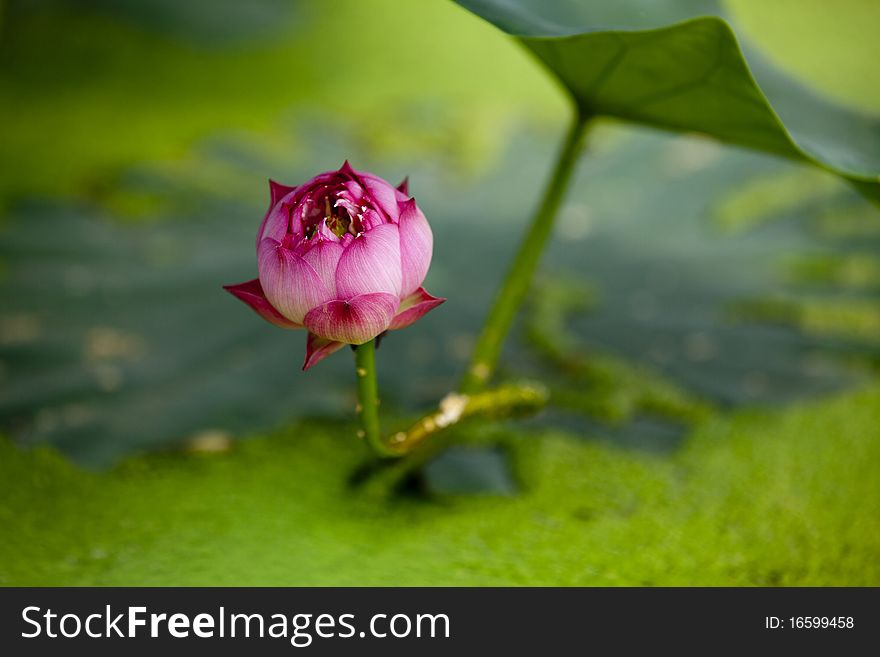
(336, 218)
(334, 209)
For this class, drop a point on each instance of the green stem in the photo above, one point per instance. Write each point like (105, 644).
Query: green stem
(431, 434)
(368, 396)
(506, 401)
(519, 277)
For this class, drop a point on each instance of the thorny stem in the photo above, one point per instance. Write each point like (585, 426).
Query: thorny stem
(519, 277)
(504, 401)
(368, 397)
(427, 438)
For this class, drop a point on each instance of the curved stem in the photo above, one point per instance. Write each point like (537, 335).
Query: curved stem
(506, 401)
(368, 397)
(519, 277)
(429, 436)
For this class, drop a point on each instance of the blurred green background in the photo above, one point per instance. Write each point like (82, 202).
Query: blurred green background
(708, 318)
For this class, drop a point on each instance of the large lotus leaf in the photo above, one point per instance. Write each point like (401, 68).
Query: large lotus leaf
(679, 65)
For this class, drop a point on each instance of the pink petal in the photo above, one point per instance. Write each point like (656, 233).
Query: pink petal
(347, 170)
(323, 255)
(317, 349)
(403, 187)
(413, 307)
(355, 321)
(382, 194)
(416, 246)
(277, 191)
(370, 219)
(279, 215)
(353, 190)
(275, 224)
(252, 294)
(379, 191)
(370, 263)
(291, 284)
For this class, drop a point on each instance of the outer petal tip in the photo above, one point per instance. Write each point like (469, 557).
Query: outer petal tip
(413, 308)
(251, 293)
(403, 187)
(317, 349)
(278, 191)
(347, 169)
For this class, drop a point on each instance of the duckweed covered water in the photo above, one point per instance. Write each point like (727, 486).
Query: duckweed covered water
(781, 498)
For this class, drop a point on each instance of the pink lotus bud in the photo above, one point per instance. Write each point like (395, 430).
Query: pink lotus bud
(343, 255)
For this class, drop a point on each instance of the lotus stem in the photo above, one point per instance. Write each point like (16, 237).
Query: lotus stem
(368, 397)
(519, 277)
(504, 401)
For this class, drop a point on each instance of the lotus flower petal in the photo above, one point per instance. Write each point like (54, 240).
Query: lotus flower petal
(353, 189)
(324, 256)
(348, 171)
(251, 292)
(383, 195)
(279, 215)
(413, 307)
(416, 246)
(317, 349)
(355, 321)
(403, 187)
(370, 263)
(369, 219)
(277, 191)
(291, 284)
(275, 224)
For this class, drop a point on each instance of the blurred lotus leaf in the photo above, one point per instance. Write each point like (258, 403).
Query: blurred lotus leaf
(680, 66)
